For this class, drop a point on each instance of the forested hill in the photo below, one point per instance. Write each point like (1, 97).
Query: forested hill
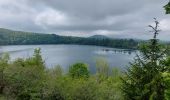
(10, 37)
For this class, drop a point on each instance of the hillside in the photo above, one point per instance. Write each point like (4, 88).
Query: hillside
(10, 37)
(99, 37)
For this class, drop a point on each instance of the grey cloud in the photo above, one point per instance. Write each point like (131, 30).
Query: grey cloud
(117, 18)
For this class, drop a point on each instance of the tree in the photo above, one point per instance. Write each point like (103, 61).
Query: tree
(143, 80)
(167, 8)
(26, 78)
(79, 70)
(102, 69)
(37, 58)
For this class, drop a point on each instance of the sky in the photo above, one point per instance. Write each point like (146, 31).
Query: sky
(113, 18)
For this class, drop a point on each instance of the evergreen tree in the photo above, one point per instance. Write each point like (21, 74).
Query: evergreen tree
(38, 58)
(143, 80)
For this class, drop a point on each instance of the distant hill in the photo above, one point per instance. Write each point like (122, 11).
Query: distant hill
(99, 37)
(10, 37)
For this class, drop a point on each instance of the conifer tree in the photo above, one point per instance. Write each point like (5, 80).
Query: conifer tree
(143, 80)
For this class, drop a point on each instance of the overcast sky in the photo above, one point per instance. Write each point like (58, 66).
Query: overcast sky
(115, 18)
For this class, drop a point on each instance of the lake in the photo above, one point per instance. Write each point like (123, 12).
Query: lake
(65, 55)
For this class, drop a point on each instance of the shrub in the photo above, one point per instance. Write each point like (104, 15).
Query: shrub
(79, 70)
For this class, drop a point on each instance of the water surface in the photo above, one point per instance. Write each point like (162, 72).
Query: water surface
(65, 55)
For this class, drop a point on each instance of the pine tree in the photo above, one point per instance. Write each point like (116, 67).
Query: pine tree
(143, 80)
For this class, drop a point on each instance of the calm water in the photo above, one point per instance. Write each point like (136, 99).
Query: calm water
(66, 55)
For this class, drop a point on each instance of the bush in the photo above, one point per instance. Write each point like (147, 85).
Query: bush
(25, 79)
(4, 59)
(79, 70)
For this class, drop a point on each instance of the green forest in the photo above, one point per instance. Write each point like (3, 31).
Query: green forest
(9, 37)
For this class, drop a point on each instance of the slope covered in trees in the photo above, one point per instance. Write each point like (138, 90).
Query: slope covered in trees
(9, 37)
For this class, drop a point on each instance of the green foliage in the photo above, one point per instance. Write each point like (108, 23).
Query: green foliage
(29, 79)
(102, 69)
(84, 90)
(79, 70)
(109, 89)
(166, 77)
(80, 89)
(8, 37)
(167, 8)
(4, 59)
(167, 63)
(143, 80)
(37, 59)
(56, 71)
(116, 72)
(65, 87)
(25, 78)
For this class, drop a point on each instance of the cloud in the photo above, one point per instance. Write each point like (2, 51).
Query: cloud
(165, 24)
(115, 18)
(51, 17)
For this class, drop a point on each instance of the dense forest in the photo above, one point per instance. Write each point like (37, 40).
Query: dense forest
(8, 37)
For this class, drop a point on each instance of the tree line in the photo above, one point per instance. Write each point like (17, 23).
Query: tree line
(8, 37)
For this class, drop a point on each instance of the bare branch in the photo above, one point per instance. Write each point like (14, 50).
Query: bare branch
(155, 28)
